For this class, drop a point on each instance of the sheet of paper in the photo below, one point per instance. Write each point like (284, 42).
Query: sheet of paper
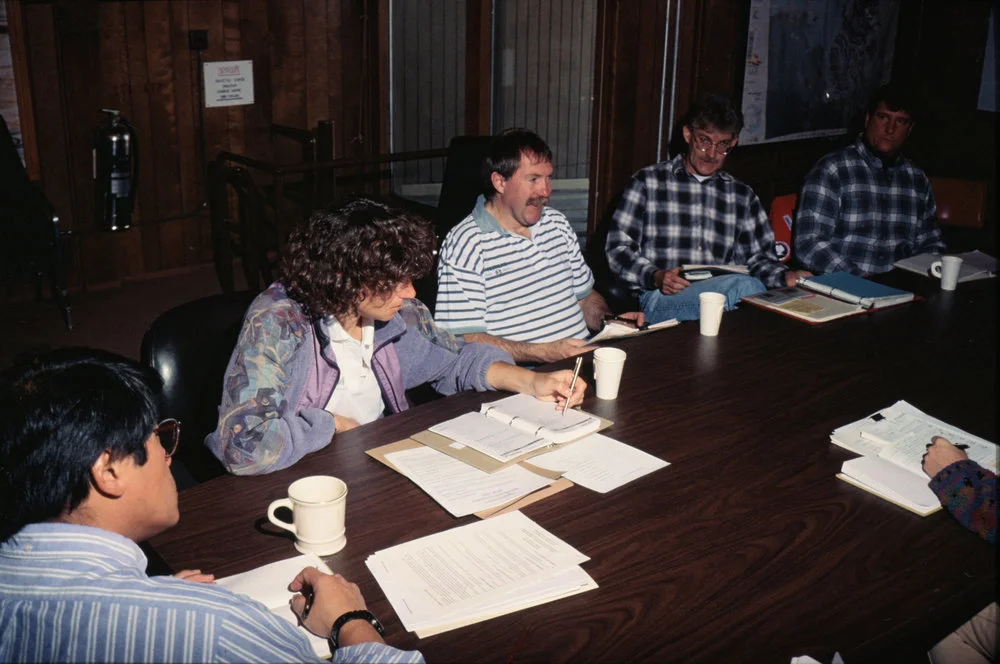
(599, 463)
(527, 413)
(490, 436)
(451, 573)
(615, 330)
(460, 488)
(269, 586)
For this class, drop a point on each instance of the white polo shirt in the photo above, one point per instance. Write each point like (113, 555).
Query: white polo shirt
(357, 394)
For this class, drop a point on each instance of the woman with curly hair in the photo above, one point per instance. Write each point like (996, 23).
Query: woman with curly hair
(323, 349)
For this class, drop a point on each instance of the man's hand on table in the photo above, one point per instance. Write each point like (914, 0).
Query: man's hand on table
(670, 282)
(792, 276)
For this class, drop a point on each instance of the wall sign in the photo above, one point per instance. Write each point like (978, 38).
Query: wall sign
(228, 83)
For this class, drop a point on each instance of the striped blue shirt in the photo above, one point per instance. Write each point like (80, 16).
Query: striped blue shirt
(72, 593)
(491, 280)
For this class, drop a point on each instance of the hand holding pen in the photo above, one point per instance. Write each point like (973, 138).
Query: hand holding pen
(940, 454)
(322, 598)
(572, 384)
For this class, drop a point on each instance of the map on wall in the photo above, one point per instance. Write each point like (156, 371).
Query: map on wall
(812, 64)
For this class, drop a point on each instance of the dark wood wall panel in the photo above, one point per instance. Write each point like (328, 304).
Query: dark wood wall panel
(311, 59)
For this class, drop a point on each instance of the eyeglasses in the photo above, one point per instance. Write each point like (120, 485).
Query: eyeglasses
(169, 434)
(704, 144)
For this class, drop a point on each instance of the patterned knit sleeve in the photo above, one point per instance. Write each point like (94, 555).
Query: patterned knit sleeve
(969, 492)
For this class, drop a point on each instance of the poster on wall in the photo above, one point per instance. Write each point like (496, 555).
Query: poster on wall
(8, 92)
(811, 65)
(228, 83)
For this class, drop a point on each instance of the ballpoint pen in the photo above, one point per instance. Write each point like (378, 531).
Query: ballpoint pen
(572, 384)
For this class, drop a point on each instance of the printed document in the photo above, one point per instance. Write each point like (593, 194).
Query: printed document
(599, 463)
(460, 488)
(469, 573)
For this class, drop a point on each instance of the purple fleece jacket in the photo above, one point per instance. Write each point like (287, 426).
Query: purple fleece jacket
(282, 373)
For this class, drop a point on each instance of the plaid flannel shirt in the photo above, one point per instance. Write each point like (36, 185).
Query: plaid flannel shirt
(666, 218)
(856, 215)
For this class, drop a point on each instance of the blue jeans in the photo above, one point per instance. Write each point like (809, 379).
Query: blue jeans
(684, 305)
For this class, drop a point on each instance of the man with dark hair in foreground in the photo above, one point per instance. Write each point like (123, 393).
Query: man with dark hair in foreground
(84, 475)
(864, 207)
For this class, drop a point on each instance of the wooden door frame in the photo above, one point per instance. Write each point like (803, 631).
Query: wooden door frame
(22, 87)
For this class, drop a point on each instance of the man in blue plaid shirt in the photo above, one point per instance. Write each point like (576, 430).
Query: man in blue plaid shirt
(687, 210)
(864, 207)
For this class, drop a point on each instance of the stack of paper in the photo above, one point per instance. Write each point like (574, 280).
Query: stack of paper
(893, 442)
(269, 586)
(476, 572)
(460, 488)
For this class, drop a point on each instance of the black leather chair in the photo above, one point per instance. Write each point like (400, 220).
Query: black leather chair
(460, 186)
(189, 347)
(607, 283)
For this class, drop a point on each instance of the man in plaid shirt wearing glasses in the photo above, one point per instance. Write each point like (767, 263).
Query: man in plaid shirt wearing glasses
(687, 210)
(864, 207)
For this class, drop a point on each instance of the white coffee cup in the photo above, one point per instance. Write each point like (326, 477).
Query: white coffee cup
(711, 306)
(947, 270)
(608, 365)
(319, 505)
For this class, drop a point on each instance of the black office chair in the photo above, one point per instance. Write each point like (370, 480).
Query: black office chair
(615, 292)
(189, 347)
(460, 186)
(30, 236)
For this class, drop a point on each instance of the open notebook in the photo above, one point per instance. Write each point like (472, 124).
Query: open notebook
(269, 586)
(509, 430)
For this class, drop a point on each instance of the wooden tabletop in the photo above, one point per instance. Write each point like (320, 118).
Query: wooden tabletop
(745, 548)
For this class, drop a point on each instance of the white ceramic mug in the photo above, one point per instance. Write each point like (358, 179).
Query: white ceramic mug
(318, 505)
(711, 306)
(947, 270)
(608, 365)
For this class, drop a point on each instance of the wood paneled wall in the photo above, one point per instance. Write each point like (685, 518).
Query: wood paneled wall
(313, 60)
(939, 44)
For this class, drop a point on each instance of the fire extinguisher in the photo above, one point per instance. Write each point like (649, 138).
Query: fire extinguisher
(116, 171)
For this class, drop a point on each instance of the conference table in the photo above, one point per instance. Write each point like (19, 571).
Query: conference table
(745, 548)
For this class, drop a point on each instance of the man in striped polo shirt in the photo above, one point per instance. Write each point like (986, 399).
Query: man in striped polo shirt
(513, 268)
(84, 475)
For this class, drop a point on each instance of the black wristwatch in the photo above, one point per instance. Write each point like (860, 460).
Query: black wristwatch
(368, 616)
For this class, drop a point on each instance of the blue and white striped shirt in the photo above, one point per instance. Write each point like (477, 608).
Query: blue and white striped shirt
(71, 593)
(491, 280)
